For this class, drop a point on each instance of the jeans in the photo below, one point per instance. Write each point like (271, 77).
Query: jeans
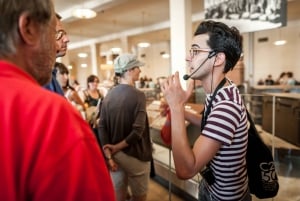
(205, 195)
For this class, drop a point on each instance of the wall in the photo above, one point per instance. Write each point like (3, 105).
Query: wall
(156, 66)
(271, 59)
(266, 59)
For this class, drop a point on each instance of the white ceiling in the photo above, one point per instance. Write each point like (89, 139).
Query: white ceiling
(116, 18)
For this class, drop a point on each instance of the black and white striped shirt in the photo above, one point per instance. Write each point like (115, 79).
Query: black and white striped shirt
(227, 123)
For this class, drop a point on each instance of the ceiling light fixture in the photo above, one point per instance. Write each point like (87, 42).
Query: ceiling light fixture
(143, 44)
(165, 55)
(84, 13)
(116, 49)
(82, 55)
(280, 41)
(83, 65)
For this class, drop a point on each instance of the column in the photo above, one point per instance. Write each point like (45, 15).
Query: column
(94, 60)
(124, 44)
(181, 35)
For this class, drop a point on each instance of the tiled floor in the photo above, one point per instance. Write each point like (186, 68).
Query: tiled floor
(287, 159)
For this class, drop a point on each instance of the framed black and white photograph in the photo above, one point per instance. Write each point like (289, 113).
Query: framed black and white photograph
(248, 15)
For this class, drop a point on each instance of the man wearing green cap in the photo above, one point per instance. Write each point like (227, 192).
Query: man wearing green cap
(124, 131)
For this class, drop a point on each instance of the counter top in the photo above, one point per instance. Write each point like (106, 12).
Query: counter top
(264, 87)
(285, 95)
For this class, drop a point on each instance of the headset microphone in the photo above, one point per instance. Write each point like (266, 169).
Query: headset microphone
(210, 55)
(186, 77)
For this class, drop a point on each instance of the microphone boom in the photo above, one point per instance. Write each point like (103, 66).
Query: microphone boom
(186, 76)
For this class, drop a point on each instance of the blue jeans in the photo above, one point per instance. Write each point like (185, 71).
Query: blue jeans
(205, 195)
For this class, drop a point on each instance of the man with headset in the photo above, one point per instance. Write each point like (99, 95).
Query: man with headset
(219, 153)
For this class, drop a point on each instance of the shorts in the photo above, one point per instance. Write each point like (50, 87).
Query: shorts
(132, 172)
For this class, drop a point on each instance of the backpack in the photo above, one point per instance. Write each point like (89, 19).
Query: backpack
(262, 176)
(263, 180)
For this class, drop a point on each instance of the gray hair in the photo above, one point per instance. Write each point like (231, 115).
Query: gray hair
(40, 11)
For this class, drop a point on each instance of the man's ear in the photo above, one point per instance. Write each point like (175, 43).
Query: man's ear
(220, 58)
(29, 29)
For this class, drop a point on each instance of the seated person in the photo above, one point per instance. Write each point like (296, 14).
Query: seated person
(269, 80)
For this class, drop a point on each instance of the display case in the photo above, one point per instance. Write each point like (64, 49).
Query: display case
(257, 94)
(284, 110)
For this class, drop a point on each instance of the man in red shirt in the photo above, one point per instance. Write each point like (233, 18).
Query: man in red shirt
(47, 151)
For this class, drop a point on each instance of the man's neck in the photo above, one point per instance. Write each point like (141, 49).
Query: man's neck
(210, 84)
(127, 81)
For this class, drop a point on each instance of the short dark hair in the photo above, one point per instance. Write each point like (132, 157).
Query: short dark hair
(222, 39)
(91, 78)
(61, 68)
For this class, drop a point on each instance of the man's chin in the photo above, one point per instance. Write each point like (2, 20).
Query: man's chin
(44, 80)
(61, 53)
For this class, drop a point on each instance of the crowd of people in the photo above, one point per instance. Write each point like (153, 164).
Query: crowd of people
(51, 147)
(285, 79)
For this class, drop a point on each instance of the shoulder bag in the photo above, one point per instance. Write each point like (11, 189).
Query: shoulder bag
(263, 180)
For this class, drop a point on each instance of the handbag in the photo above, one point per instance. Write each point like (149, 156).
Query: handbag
(166, 131)
(263, 179)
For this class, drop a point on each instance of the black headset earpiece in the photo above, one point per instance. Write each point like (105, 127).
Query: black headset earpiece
(211, 54)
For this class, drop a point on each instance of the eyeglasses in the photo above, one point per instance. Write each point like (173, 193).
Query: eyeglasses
(59, 34)
(195, 51)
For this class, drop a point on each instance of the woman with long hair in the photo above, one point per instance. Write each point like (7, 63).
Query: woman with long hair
(70, 93)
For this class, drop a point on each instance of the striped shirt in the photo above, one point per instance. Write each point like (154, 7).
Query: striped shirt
(227, 123)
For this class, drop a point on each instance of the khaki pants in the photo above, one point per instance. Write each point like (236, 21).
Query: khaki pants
(132, 172)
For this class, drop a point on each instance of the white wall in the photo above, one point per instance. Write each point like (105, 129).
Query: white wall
(156, 66)
(267, 58)
(271, 59)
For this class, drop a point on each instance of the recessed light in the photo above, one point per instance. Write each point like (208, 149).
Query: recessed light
(116, 49)
(84, 13)
(144, 44)
(280, 42)
(83, 65)
(82, 55)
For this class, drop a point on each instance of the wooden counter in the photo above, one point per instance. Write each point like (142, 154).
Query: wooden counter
(285, 95)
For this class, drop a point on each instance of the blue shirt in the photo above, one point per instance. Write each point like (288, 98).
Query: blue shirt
(53, 85)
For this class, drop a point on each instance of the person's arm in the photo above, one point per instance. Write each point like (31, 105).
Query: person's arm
(76, 98)
(193, 118)
(188, 161)
(83, 96)
(111, 149)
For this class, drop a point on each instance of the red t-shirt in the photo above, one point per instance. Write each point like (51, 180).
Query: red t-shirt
(47, 151)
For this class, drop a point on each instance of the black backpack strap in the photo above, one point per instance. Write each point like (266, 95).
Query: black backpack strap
(208, 109)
